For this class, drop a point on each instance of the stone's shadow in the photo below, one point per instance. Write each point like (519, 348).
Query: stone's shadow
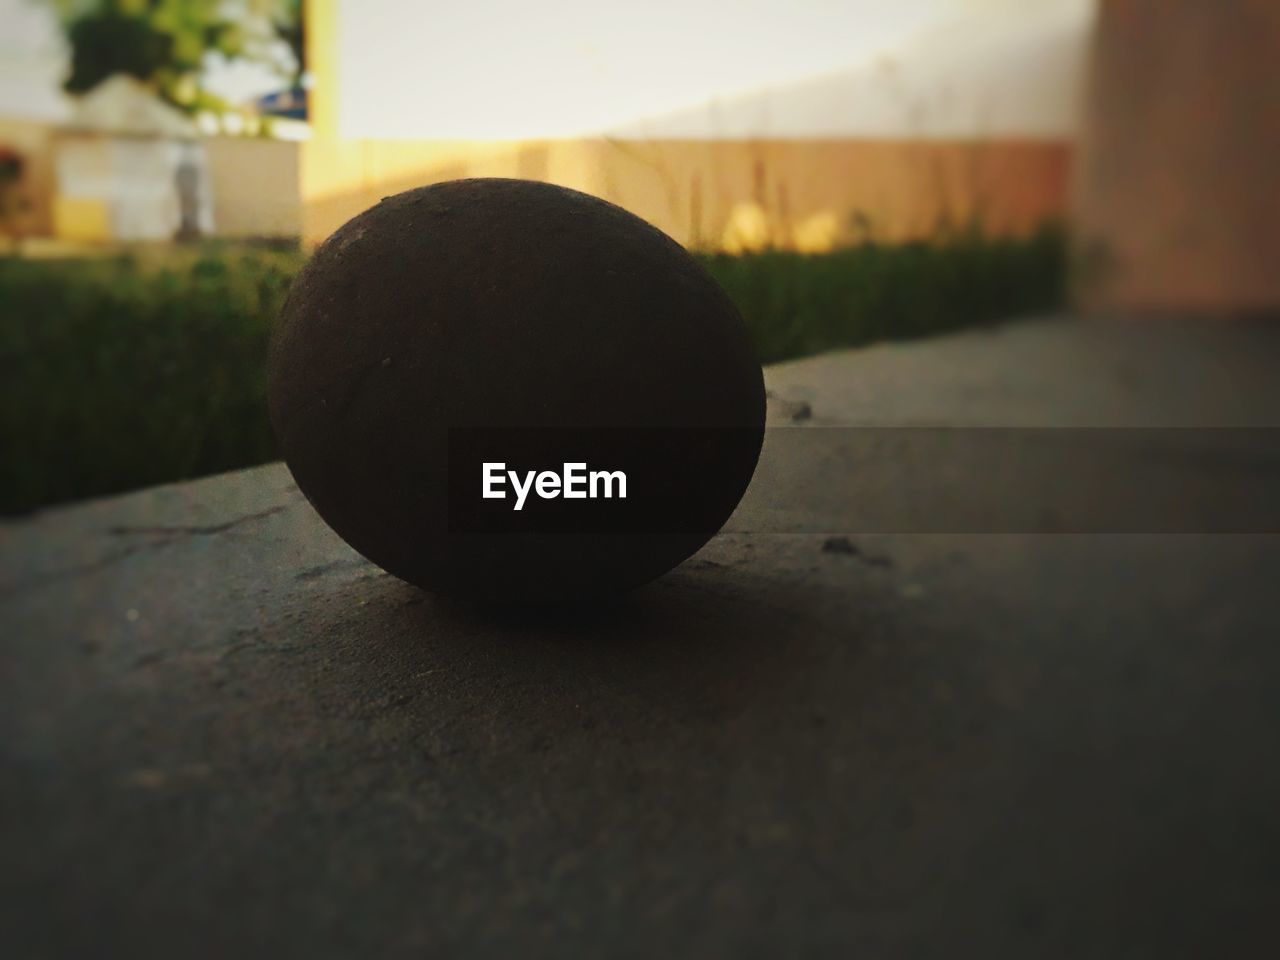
(598, 616)
(691, 642)
(698, 645)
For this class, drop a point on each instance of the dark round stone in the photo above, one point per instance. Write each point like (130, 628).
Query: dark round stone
(517, 322)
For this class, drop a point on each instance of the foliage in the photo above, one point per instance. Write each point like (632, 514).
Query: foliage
(118, 373)
(289, 26)
(164, 42)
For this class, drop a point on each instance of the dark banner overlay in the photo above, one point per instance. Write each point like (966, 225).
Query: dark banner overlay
(585, 480)
(853, 480)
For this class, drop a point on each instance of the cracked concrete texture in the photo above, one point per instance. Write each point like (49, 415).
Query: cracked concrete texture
(224, 732)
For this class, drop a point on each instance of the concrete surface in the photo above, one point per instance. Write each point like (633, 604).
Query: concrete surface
(224, 734)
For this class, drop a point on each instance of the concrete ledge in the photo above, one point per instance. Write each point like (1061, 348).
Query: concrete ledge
(224, 733)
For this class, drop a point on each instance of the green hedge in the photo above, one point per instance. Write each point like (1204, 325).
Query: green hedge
(800, 304)
(119, 374)
(124, 372)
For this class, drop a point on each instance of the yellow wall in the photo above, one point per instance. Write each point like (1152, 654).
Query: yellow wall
(81, 219)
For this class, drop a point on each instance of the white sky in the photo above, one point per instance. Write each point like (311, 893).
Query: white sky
(517, 68)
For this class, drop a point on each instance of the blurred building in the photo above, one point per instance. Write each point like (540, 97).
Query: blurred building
(119, 164)
(803, 124)
(129, 167)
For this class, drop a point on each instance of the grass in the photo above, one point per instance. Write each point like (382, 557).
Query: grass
(124, 372)
(800, 304)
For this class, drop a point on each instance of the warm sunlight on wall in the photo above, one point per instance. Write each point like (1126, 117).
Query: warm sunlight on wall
(728, 125)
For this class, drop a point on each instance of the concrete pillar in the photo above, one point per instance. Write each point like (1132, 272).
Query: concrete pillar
(1177, 183)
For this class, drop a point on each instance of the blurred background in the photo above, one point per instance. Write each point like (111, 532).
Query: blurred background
(852, 171)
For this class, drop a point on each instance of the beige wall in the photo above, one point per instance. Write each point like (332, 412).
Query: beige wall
(808, 195)
(255, 187)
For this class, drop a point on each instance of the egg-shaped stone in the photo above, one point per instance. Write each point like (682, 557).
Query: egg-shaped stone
(476, 323)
